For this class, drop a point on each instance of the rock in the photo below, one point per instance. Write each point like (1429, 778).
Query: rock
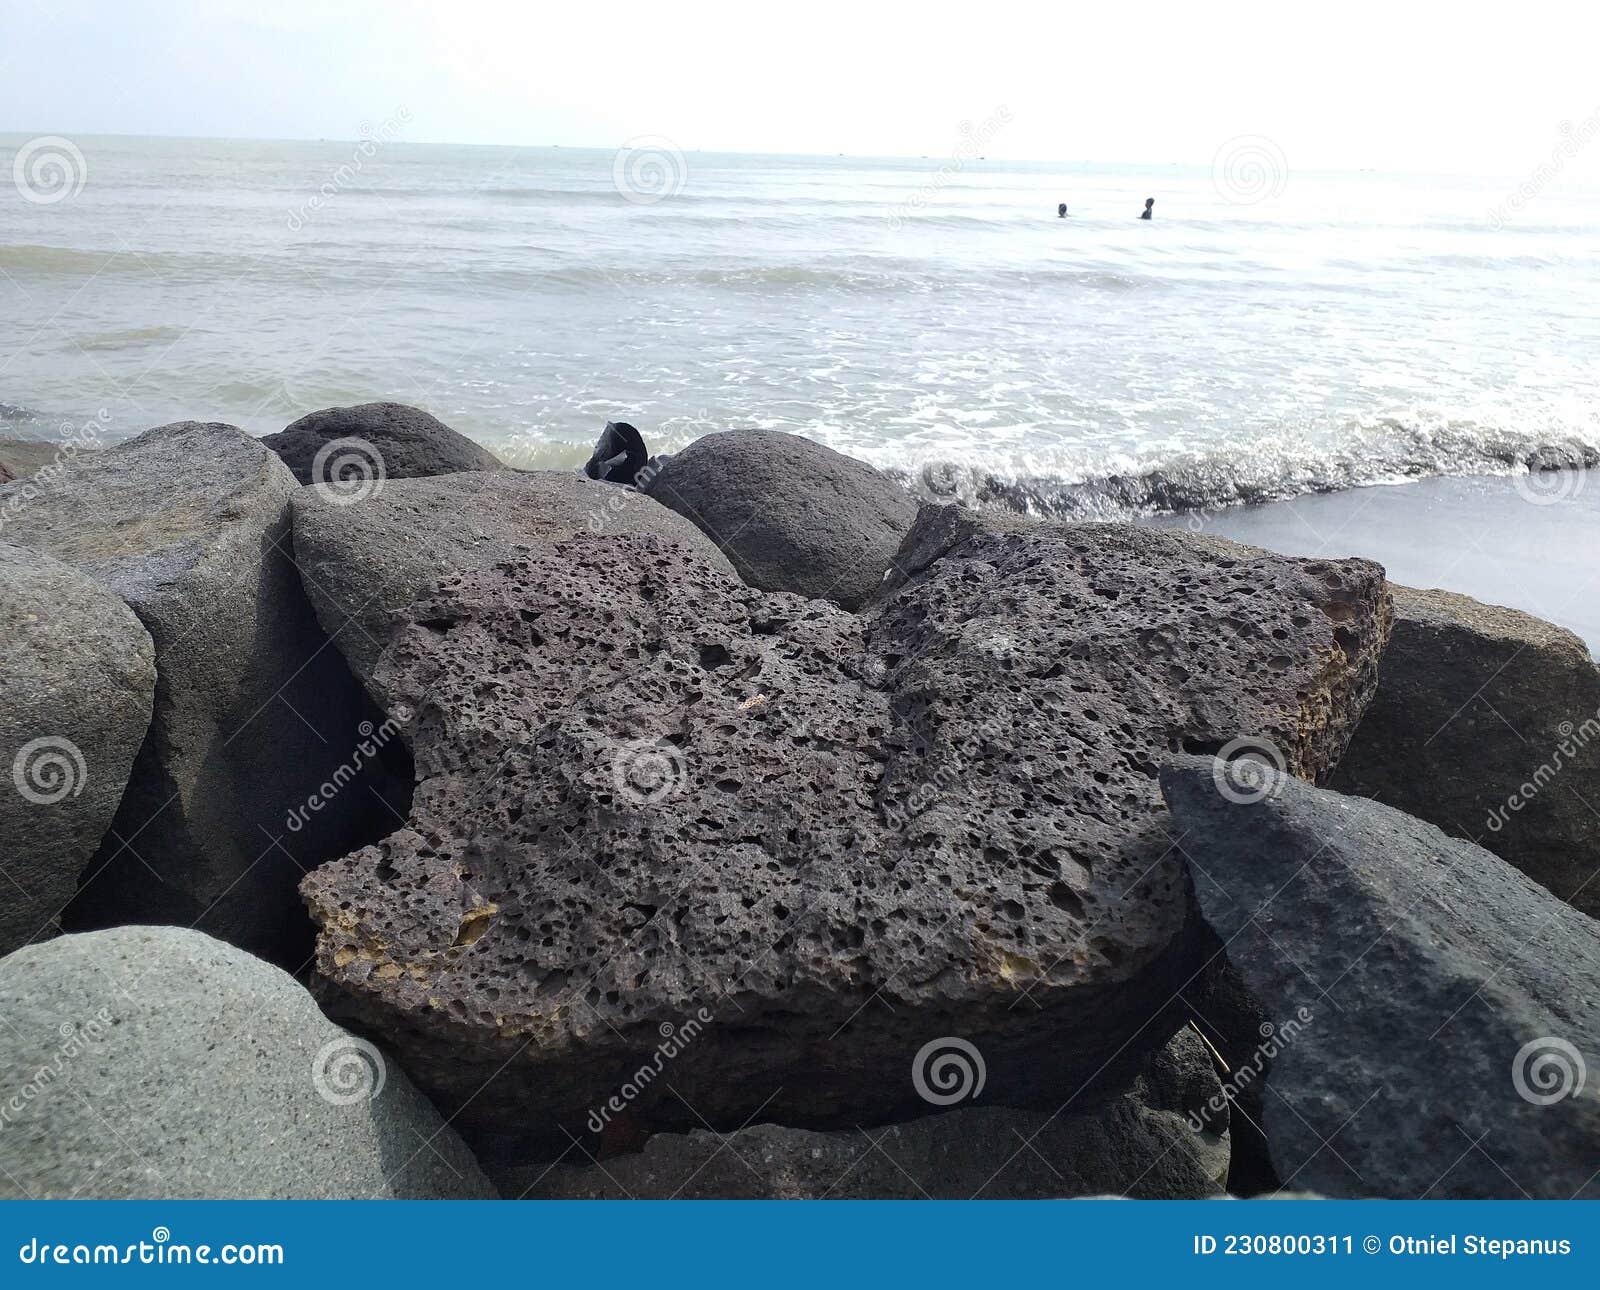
(843, 835)
(157, 1063)
(1487, 724)
(253, 710)
(79, 680)
(1444, 1004)
(362, 562)
(1139, 1144)
(791, 514)
(396, 442)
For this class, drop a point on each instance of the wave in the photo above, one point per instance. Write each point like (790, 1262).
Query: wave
(1382, 452)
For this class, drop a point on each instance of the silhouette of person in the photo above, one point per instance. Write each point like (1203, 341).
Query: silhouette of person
(1061, 211)
(1149, 205)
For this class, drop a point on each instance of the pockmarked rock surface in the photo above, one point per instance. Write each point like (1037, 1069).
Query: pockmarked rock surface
(1487, 724)
(157, 1063)
(1137, 1144)
(189, 525)
(363, 561)
(843, 835)
(395, 442)
(1454, 1029)
(791, 514)
(79, 680)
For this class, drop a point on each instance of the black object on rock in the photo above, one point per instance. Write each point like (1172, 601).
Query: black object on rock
(619, 455)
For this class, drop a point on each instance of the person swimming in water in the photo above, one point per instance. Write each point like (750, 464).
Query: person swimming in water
(1061, 211)
(1149, 205)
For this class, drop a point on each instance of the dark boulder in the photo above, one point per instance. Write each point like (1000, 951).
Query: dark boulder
(791, 514)
(394, 441)
(1137, 1144)
(363, 561)
(1487, 723)
(78, 681)
(843, 835)
(1442, 1005)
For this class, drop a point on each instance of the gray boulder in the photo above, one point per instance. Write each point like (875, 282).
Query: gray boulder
(791, 514)
(253, 712)
(79, 681)
(361, 562)
(843, 835)
(396, 442)
(1138, 1144)
(155, 1063)
(1445, 1025)
(1487, 724)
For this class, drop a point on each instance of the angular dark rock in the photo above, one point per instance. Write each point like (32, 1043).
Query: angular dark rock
(792, 515)
(397, 442)
(79, 677)
(1137, 1144)
(365, 560)
(644, 789)
(155, 1063)
(1453, 1023)
(1487, 723)
(254, 710)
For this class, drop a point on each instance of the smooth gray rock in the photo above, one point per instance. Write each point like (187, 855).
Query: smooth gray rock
(363, 561)
(404, 443)
(254, 709)
(1454, 1031)
(157, 1063)
(791, 514)
(78, 682)
(1487, 723)
(845, 835)
(1138, 1144)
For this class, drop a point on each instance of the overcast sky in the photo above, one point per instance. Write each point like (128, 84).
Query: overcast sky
(1459, 89)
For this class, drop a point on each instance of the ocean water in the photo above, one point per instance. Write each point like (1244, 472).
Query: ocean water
(1269, 332)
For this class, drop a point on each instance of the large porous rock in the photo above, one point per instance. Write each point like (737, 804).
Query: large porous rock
(646, 790)
(791, 514)
(392, 441)
(1140, 1144)
(1445, 1024)
(157, 1063)
(364, 560)
(255, 713)
(1487, 723)
(78, 679)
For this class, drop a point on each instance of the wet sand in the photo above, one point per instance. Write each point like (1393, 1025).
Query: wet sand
(1531, 542)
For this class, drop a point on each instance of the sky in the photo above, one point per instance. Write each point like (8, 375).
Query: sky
(1458, 88)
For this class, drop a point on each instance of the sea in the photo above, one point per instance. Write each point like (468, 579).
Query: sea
(1271, 331)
